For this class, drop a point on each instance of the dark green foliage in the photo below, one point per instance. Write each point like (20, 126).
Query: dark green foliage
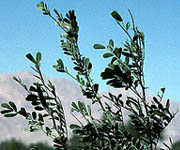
(124, 71)
(14, 144)
(75, 143)
(40, 146)
(176, 145)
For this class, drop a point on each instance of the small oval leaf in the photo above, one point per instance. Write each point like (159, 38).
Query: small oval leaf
(74, 126)
(127, 25)
(23, 112)
(6, 111)
(111, 43)
(99, 46)
(31, 58)
(107, 55)
(6, 106)
(38, 57)
(116, 16)
(39, 108)
(13, 106)
(10, 115)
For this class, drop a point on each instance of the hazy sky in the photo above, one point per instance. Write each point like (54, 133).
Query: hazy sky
(24, 29)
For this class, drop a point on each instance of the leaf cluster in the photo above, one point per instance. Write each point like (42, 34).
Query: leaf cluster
(47, 106)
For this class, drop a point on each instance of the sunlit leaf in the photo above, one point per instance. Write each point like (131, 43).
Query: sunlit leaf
(27, 129)
(40, 6)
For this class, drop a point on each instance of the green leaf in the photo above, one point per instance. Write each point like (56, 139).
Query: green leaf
(126, 60)
(64, 35)
(46, 13)
(32, 89)
(10, 115)
(23, 112)
(60, 63)
(38, 57)
(48, 131)
(74, 126)
(127, 54)
(40, 117)
(39, 108)
(34, 115)
(27, 129)
(31, 97)
(96, 87)
(107, 55)
(99, 46)
(89, 66)
(86, 61)
(40, 6)
(31, 58)
(82, 107)
(156, 100)
(74, 107)
(167, 104)
(116, 16)
(56, 12)
(60, 66)
(17, 79)
(163, 90)
(117, 52)
(35, 103)
(89, 110)
(13, 106)
(5, 105)
(127, 25)
(6, 111)
(142, 35)
(107, 74)
(111, 43)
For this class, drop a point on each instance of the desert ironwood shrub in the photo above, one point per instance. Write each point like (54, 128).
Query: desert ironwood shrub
(124, 71)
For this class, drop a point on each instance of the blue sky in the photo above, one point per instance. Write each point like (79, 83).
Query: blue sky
(24, 29)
